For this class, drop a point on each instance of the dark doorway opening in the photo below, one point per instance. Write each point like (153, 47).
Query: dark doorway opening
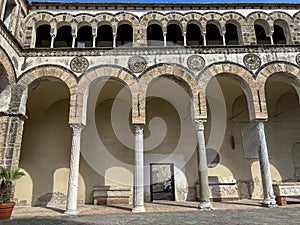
(162, 184)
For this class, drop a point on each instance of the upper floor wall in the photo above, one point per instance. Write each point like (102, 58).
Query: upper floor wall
(96, 25)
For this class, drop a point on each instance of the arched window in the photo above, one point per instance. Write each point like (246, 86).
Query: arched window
(231, 35)
(281, 33)
(43, 37)
(213, 35)
(260, 27)
(174, 35)
(104, 36)
(155, 35)
(84, 37)
(124, 34)
(63, 37)
(193, 35)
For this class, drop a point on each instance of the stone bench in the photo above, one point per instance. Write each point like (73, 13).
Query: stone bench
(107, 195)
(285, 189)
(221, 189)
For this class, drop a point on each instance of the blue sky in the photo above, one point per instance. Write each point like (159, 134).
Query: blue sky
(172, 1)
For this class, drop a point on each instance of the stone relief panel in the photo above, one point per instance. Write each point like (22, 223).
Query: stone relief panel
(195, 62)
(79, 64)
(252, 61)
(298, 59)
(137, 64)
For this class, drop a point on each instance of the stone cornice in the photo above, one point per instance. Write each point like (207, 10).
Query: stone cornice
(157, 6)
(159, 50)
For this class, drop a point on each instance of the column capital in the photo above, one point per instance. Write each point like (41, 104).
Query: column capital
(13, 114)
(138, 128)
(261, 124)
(77, 127)
(199, 124)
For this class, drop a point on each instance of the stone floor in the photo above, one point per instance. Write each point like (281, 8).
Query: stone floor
(162, 212)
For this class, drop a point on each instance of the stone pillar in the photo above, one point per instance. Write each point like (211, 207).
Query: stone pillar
(202, 168)
(224, 40)
(271, 39)
(73, 41)
(204, 39)
(165, 39)
(138, 189)
(74, 170)
(94, 41)
(11, 132)
(52, 41)
(269, 200)
(184, 39)
(114, 40)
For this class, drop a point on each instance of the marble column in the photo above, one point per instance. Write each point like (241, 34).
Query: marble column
(269, 200)
(114, 40)
(204, 39)
(74, 170)
(202, 168)
(138, 189)
(52, 41)
(184, 39)
(165, 39)
(223, 39)
(73, 41)
(94, 40)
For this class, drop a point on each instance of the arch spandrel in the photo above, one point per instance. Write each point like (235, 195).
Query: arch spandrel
(247, 83)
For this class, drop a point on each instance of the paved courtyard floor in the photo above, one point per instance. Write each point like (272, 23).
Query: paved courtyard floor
(162, 212)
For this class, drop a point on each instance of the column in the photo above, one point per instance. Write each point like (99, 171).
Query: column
(165, 39)
(202, 168)
(52, 41)
(184, 39)
(204, 39)
(94, 41)
(138, 189)
(73, 41)
(115, 40)
(271, 39)
(74, 170)
(269, 200)
(224, 40)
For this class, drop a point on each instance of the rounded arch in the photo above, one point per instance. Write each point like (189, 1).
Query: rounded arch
(193, 16)
(27, 79)
(214, 18)
(104, 18)
(64, 18)
(129, 17)
(178, 18)
(236, 17)
(162, 70)
(245, 79)
(288, 71)
(152, 16)
(84, 19)
(104, 72)
(7, 64)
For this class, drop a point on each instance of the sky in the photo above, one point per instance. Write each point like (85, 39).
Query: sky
(172, 1)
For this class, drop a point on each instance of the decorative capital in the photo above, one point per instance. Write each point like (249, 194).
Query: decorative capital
(138, 128)
(199, 124)
(252, 61)
(77, 128)
(196, 62)
(260, 125)
(79, 64)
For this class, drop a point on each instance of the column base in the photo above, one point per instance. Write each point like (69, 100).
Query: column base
(138, 209)
(269, 203)
(71, 212)
(205, 206)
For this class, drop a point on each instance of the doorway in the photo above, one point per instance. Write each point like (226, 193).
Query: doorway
(162, 185)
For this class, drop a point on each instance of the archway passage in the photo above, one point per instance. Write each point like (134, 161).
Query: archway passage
(45, 151)
(124, 35)
(84, 37)
(213, 35)
(63, 37)
(279, 35)
(155, 35)
(261, 36)
(104, 36)
(232, 34)
(43, 37)
(283, 126)
(174, 35)
(193, 35)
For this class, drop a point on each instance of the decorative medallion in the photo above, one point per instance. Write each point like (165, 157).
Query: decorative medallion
(195, 62)
(79, 64)
(298, 59)
(252, 61)
(137, 64)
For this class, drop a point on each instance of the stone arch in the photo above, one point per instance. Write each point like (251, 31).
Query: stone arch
(131, 18)
(161, 70)
(78, 115)
(287, 24)
(27, 79)
(64, 18)
(156, 16)
(194, 18)
(31, 23)
(106, 19)
(84, 18)
(216, 18)
(176, 18)
(245, 80)
(291, 74)
(8, 66)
